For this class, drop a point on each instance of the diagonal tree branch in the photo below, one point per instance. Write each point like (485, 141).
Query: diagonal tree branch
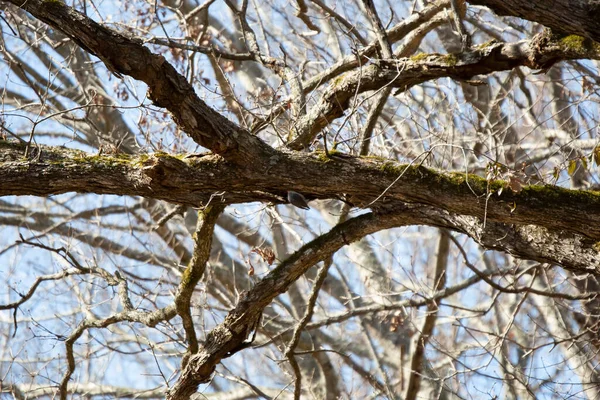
(166, 87)
(229, 337)
(402, 29)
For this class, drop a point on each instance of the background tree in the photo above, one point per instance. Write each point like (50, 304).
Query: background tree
(449, 156)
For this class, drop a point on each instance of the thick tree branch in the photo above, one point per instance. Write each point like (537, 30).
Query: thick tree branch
(366, 182)
(199, 174)
(543, 223)
(229, 337)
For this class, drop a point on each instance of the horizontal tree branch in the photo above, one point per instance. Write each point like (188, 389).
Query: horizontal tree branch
(435, 200)
(364, 182)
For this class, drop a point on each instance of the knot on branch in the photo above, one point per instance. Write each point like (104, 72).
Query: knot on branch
(162, 168)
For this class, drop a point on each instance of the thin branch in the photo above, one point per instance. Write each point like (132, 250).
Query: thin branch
(356, 60)
(417, 362)
(312, 301)
(209, 50)
(53, 277)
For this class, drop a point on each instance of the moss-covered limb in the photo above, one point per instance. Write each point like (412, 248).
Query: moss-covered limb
(365, 182)
(460, 182)
(54, 170)
(578, 44)
(574, 252)
(550, 206)
(207, 219)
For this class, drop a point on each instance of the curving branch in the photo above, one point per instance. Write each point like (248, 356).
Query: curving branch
(43, 278)
(207, 219)
(429, 16)
(543, 223)
(230, 336)
(541, 52)
(148, 318)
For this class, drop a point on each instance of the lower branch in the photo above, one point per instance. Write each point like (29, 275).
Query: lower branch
(229, 337)
(150, 319)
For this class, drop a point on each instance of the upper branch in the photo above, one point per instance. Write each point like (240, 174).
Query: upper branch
(543, 51)
(581, 17)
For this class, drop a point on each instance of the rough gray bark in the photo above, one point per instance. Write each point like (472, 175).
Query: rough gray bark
(542, 223)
